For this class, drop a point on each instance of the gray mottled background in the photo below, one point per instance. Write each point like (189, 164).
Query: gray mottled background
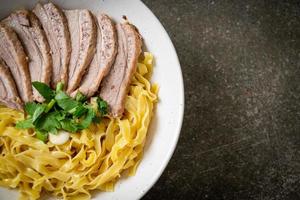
(241, 133)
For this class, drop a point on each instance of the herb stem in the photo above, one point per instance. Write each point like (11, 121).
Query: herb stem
(59, 86)
(50, 105)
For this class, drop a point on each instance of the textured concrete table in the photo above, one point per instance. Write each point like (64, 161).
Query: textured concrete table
(241, 133)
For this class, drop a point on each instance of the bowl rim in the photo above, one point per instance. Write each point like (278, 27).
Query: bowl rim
(181, 110)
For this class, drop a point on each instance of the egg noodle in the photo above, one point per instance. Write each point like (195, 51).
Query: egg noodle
(94, 158)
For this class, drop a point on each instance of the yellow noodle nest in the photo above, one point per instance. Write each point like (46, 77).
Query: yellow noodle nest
(92, 159)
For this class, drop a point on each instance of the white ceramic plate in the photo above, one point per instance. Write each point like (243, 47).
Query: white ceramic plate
(166, 124)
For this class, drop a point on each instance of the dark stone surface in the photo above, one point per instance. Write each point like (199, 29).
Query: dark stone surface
(241, 133)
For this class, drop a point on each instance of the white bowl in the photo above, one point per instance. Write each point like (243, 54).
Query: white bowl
(166, 123)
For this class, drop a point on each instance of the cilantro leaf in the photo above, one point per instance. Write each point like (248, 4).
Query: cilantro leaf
(78, 111)
(80, 97)
(42, 135)
(49, 122)
(69, 125)
(40, 108)
(61, 115)
(61, 95)
(85, 123)
(30, 107)
(65, 102)
(102, 106)
(44, 90)
(27, 123)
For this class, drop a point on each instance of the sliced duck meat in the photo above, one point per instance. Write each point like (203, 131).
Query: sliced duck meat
(115, 85)
(35, 44)
(106, 50)
(83, 33)
(55, 26)
(12, 53)
(8, 90)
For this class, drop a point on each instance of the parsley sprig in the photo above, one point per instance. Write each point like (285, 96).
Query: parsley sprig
(61, 112)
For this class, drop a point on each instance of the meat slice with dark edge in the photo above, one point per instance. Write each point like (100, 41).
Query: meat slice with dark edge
(83, 34)
(115, 85)
(12, 53)
(106, 50)
(55, 26)
(35, 44)
(8, 90)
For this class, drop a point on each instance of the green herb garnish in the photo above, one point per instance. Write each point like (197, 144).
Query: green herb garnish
(102, 106)
(91, 114)
(80, 97)
(27, 123)
(42, 136)
(44, 90)
(65, 102)
(61, 112)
